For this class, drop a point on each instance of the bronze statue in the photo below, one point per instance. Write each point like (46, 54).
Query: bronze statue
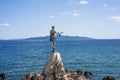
(52, 37)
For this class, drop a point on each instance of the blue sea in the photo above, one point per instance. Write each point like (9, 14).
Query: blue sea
(101, 57)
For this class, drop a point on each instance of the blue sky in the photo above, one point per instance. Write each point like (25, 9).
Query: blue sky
(33, 18)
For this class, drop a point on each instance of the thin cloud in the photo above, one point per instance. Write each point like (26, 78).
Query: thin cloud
(115, 18)
(63, 13)
(84, 2)
(109, 7)
(112, 8)
(105, 5)
(52, 17)
(73, 2)
(75, 13)
(78, 2)
(4, 25)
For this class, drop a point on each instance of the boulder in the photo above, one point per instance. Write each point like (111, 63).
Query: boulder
(79, 72)
(54, 70)
(28, 76)
(37, 76)
(2, 76)
(87, 73)
(54, 67)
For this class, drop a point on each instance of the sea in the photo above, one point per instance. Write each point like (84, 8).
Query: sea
(101, 57)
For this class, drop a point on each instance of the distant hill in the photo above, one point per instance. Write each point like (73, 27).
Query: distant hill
(46, 38)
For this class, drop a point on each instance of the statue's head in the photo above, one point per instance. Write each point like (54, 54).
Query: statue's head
(53, 27)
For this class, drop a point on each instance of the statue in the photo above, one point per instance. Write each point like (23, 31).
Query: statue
(52, 37)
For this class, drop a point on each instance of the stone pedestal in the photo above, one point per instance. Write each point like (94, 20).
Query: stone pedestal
(54, 67)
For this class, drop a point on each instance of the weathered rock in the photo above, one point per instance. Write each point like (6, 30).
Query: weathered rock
(65, 78)
(54, 70)
(76, 77)
(27, 76)
(87, 74)
(2, 76)
(109, 78)
(54, 67)
(79, 72)
(68, 72)
(30, 76)
(37, 77)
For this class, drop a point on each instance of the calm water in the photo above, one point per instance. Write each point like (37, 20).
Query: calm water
(101, 57)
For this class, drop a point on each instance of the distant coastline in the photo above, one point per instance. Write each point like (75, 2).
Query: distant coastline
(46, 38)
(60, 38)
(63, 37)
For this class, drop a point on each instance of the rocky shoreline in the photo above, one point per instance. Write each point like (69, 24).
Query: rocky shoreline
(54, 70)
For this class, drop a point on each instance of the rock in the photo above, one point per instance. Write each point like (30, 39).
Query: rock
(54, 67)
(27, 76)
(37, 77)
(88, 75)
(79, 72)
(2, 76)
(64, 78)
(68, 72)
(54, 70)
(30, 76)
(109, 78)
(76, 77)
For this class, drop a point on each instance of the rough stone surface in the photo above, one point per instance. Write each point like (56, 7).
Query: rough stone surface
(37, 77)
(54, 67)
(54, 70)
(87, 73)
(28, 76)
(53, 64)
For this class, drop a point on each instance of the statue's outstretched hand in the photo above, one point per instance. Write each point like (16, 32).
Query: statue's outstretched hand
(59, 34)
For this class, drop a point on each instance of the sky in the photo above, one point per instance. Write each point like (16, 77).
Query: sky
(98, 19)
